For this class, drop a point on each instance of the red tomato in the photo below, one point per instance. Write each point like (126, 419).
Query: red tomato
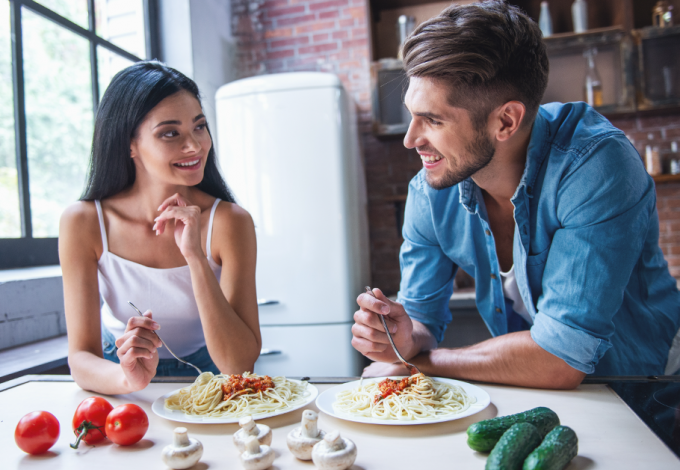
(37, 432)
(90, 419)
(126, 424)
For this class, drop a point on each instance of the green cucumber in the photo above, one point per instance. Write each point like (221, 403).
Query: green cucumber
(555, 452)
(482, 436)
(513, 447)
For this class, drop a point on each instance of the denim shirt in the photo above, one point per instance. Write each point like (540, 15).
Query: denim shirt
(586, 254)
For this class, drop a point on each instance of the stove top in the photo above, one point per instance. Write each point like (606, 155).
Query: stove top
(656, 400)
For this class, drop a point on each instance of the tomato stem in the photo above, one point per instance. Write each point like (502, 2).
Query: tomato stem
(83, 429)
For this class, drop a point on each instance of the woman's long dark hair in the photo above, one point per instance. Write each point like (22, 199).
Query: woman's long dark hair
(134, 92)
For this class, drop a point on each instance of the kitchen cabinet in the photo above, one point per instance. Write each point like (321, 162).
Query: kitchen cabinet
(658, 68)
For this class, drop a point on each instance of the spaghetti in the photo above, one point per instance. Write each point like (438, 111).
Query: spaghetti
(235, 396)
(414, 398)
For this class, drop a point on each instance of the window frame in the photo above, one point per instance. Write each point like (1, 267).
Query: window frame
(28, 251)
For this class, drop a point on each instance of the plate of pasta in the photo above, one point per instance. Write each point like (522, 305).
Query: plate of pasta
(213, 399)
(403, 400)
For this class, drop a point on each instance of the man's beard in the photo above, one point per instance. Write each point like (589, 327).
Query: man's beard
(481, 149)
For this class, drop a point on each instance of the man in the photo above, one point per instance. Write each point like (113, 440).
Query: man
(549, 208)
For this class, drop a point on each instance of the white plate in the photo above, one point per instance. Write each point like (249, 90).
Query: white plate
(327, 398)
(159, 409)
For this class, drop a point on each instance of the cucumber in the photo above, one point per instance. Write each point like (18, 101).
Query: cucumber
(513, 447)
(482, 436)
(555, 452)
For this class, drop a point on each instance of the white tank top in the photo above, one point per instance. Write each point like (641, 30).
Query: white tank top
(166, 292)
(511, 292)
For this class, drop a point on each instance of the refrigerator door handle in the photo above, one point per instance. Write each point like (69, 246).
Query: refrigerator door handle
(265, 302)
(269, 352)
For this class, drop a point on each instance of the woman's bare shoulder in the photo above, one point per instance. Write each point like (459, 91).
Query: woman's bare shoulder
(233, 231)
(79, 213)
(80, 221)
(230, 216)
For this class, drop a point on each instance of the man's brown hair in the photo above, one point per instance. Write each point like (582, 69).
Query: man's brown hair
(488, 53)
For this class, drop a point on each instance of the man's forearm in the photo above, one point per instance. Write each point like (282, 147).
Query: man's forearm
(513, 359)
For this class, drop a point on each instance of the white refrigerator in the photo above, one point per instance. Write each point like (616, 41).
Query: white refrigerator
(288, 149)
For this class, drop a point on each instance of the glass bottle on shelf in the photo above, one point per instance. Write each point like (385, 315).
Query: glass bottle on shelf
(545, 20)
(675, 159)
(579, 15)
(592, 88)
(405, 26)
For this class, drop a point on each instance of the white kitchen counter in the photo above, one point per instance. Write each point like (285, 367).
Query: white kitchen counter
(610, 435)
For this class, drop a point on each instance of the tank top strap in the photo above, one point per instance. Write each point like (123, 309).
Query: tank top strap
(102, 228)
(208, 242)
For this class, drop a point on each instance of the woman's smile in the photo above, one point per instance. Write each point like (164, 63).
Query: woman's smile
(190, 164)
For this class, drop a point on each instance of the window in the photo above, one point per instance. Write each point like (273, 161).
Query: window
(56, 59)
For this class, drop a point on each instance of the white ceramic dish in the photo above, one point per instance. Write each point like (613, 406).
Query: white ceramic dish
(158, 407)
(325, 403)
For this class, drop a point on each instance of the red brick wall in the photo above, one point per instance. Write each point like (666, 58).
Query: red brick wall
(297, 35)
(333, 36)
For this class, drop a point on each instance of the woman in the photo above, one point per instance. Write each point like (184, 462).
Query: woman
(157, 226)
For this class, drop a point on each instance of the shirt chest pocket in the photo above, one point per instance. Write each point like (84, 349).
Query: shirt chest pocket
(538, 259)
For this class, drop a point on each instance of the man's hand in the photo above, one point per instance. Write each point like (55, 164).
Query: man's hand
(369, 337)
(383, 369)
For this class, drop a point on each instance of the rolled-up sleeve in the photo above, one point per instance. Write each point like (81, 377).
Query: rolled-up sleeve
(604, 205)
(426, 272)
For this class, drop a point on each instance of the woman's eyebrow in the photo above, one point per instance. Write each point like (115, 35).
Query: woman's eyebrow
(163, 123)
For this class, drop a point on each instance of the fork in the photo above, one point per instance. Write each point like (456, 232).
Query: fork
(413, 369)
(166, 346)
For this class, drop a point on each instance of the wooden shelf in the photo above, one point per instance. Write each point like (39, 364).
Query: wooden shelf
(662, 179)
(596, 32)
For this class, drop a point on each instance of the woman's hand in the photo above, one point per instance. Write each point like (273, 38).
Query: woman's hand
(187, 225)
(137, 350)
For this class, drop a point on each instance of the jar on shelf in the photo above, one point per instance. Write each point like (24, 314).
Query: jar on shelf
(662, 14)
(653, 160)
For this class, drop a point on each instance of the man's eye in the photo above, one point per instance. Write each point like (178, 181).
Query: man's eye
(433, 122)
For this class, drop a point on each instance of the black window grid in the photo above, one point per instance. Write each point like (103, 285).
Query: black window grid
(28, 251)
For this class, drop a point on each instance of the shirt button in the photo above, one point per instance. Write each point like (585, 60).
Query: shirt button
(488, 232)
(493, 276)
(498, 310)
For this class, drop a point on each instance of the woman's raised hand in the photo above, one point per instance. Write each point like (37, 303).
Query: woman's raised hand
(187, 224)
(137, 350)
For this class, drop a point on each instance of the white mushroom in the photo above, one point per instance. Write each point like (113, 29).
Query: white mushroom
(301, 440)
(248, 429)
(184, 453)
(334, 452)
(257, 457)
